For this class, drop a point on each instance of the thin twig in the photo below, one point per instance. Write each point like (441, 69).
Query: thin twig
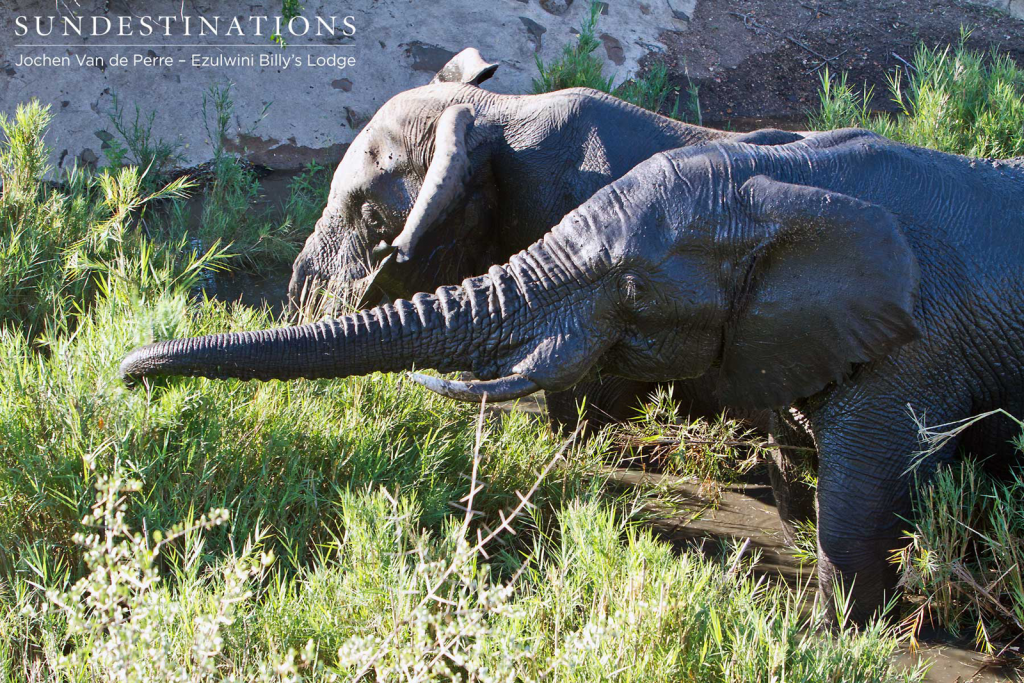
(905, 62)
(816, 9)
(821, 64)
(739, 556)
(628, 440)
(505, 525)
(965, 576)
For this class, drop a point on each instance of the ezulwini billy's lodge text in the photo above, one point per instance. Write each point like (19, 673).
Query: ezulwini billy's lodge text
(201, 61)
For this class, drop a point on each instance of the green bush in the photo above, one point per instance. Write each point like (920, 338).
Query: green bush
(955, 100)
(604, 600)
(133, 144)
(713, 453)
(58, 243)
(233, 208)
(578, 66)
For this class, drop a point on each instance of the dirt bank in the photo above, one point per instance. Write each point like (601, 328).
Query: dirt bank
(757, 59)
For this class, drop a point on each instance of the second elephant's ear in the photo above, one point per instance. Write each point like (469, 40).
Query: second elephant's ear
(466, 67)
(831, 282)
(444, 184)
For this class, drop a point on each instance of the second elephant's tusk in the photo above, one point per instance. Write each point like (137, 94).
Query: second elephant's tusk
(503, 389)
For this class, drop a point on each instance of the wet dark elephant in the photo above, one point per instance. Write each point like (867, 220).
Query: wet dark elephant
(840, 281)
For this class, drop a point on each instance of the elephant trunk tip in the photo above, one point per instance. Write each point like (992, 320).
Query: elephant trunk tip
(137, 365)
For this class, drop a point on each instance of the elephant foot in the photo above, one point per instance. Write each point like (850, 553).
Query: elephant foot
(862, 591)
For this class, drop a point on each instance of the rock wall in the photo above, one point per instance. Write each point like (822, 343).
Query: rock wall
(1015, 8)
(307, 101)
(299, 104)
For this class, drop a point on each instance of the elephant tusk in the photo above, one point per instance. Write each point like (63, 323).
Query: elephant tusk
(503, 389)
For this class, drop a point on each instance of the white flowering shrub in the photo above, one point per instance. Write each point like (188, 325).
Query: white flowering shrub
(121, 623)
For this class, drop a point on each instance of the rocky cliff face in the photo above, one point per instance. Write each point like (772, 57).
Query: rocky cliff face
(304, 102)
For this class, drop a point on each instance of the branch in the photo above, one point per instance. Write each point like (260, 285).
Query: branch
(506, 521)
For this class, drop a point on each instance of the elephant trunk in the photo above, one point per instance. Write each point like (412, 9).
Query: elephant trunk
(432, 331)
(495, 325)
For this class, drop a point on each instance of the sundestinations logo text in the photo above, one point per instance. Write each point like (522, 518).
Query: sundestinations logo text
(70, 26)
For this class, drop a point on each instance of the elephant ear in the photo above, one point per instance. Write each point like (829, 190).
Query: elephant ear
(832, 282)
(466, 67)
(444, 184)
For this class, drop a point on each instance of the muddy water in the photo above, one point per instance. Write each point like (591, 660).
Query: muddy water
(746, 510)
(265, 289)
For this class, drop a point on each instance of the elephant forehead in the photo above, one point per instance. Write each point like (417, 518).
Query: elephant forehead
(606, 236)
(408, 117)
(368, 165)
(352, 168)
(641, 214)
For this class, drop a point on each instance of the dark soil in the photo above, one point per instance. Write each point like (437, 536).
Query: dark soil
(749, 70)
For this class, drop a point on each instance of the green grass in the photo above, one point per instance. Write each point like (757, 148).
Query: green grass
(579, 67)
(604, 600)
(713, 453)
(337, 537)
(232, 210)
(966, 555)
(953, 100)
(134, 144)
(53, 242)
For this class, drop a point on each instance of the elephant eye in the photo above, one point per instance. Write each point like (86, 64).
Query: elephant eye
(632, 289)
(372, 216)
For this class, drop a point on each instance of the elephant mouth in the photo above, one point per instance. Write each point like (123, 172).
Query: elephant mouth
(540, 370)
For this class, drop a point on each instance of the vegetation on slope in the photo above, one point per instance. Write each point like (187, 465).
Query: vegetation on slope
(951, 99)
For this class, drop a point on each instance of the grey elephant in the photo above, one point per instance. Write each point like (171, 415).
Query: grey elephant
(448, 179)
(839, 280)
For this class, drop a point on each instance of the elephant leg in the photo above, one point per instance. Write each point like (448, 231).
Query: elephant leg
(605, 401)
(788, 470)
(866, 445)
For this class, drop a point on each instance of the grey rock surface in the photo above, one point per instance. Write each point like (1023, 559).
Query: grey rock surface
(1015, 8)
(311, 111)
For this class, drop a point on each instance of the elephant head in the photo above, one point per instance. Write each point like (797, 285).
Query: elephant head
(410, 169)
(695, 262)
